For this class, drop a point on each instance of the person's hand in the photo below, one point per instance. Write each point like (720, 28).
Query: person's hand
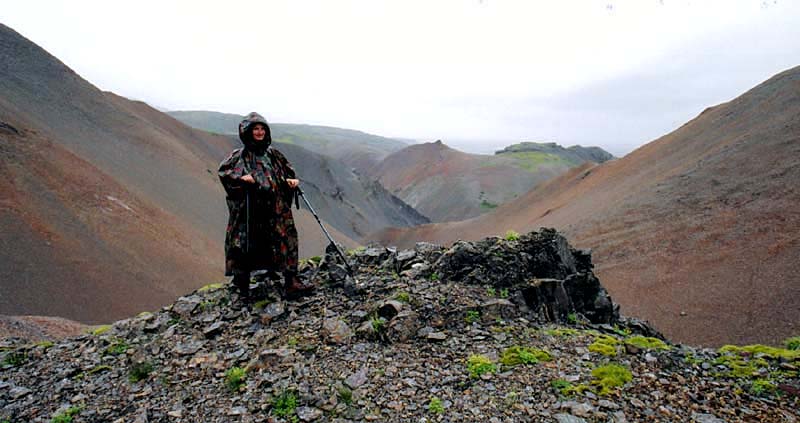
(249, 179)
(293, 183)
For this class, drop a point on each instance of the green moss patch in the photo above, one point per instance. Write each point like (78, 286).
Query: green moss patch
(234, 378)
(478, 365)
(647, 343)
(516, 355)
(605, 345)
(793, 343)
(610, 377)
(762, 350)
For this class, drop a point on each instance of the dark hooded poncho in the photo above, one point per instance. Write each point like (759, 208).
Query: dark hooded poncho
(261, 234)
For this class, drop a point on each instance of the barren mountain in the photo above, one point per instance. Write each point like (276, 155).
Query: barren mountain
(697, 231)
(445, 184)
(357, 149)
(109, 207)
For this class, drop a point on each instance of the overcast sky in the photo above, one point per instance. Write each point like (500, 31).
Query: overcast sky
(478, 75)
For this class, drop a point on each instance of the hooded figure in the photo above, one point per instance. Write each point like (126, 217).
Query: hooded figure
(260, 186)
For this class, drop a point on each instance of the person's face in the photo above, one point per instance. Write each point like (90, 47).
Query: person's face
(259, 132)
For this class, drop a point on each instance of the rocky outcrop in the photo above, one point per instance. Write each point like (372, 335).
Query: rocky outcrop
(429, 334)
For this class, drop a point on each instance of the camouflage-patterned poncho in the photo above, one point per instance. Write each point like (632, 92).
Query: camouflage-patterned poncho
(261, 234)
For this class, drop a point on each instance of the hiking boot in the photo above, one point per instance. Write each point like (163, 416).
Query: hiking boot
(295, 288)
(242, 284)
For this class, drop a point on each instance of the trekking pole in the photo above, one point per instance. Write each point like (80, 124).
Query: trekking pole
(311, 209)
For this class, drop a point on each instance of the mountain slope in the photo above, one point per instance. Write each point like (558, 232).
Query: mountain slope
(109, 207)
(448, 185)
(697, 231)
(357, 149)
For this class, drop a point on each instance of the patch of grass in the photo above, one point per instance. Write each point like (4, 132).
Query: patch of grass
(100, 330)
(516, 355)
(763, 387)
(433, 277)
(211, 287)
(621, 331)
(741, 367)
(403, 297)
(116, 348)
(472, 316)
(504, 293)
(66, 416)
(140, 371)
(479, 365)
(793, 343)
(234, 378)
(15, 359)
(560, 385)
(610, 377)
(531, 160)
(292, 341)
(487, 205)
(435, 406)
(491, 292)
(572, 318)
(511, 235)
(285, 404)
(647, 343)
(206, 305)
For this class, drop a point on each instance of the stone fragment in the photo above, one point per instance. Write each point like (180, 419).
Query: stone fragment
(272, 311)
(189, 347)
(436, 336)
(706, 418)
(568, 418)
(357, 379)
(237, 411)
(403, 327)
(308, 414)
(185, 306)
(18, 392)
(336, 331)
(389, 309)
(213, 330)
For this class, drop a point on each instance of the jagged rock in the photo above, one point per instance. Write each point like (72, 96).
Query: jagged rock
(568, 418)
(398, 366)
(213, 330)
(706, 418)
(336, 331)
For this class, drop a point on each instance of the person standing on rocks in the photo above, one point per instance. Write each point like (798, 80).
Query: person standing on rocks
(260, 185)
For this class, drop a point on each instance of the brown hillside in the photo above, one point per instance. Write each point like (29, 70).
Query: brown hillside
(448, 185)
(107, 206)
(697, 231)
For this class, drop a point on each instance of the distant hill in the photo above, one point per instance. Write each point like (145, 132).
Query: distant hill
(697, 231)
(357, 149)
(575, 154)
(109, 207)
(445, 184)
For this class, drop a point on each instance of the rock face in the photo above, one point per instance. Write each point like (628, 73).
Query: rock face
(441, 334)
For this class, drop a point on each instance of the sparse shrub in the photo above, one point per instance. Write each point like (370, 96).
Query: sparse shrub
(572, 318)
(234, 378)
(479, 365)
(647, 343)
(504, 293)
(140, 371)
(292, 341)
(490, 291)
(403, 297)
(511, 235)
(763, 387)
(610, 377)
(435, 406)
(15, 359)
(434, 277)
(792, 343)
(472, 316)
(344, 394)
(66, 416)
(378, 324)
(516, 355)
(284, 404)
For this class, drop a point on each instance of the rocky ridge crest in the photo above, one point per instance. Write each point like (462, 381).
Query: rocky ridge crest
(500, 330)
